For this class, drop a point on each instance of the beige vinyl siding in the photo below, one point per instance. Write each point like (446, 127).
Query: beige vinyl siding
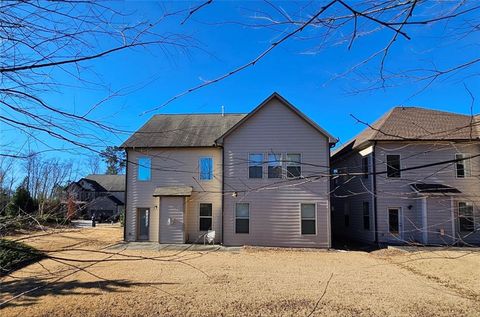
(397, 192)
(352, 191)
(170, 167)
(275, 218)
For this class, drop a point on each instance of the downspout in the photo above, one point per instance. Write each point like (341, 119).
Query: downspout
(374, 190)
(330, 216)
(125, 200)
(222, 191)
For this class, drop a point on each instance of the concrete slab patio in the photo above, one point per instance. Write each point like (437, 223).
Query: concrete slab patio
(154, 246)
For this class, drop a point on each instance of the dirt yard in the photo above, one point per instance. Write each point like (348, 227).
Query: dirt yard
(249, 282)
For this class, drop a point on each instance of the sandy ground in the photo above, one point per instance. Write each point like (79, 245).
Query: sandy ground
(249, 282)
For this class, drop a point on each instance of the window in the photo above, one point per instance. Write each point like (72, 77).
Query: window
(294, 165)
(255, 166)
(393, 223)
(365, 166)
(465, 217)
(274, 166)
(366, 215)
(308, 218)
(242, 218)
(144, 168)
(393, 166)
(205, 217)
(206, 168)
(462, 168)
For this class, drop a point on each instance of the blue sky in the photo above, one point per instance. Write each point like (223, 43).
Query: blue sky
(300, 71)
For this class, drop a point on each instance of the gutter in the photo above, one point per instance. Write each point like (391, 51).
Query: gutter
(374, 190)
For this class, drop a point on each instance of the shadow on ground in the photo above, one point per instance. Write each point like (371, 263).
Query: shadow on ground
(342, 243)
(35, 289)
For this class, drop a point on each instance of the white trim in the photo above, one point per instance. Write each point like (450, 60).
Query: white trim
(314, 203)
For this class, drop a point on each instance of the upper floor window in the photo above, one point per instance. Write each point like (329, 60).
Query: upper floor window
(206, 168)
(274, 166)
(465, 217)
(393, 166)
(144, 168)
(365, 169)
(255, 166)
(462, 168)
(294, 165)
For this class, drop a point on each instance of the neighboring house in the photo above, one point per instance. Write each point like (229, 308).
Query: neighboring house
(412, 177)
(255, 179)
(97, 194)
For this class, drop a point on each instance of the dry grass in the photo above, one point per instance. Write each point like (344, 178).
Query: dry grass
(251, 282)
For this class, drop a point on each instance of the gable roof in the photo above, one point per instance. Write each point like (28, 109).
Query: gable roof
(415, 124)
(275, 95)
(109, 183)
(182, 130)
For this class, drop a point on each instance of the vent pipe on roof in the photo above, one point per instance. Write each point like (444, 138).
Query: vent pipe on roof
(223, 111)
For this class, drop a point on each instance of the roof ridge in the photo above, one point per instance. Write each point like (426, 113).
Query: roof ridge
(201, 114)
(436, 110)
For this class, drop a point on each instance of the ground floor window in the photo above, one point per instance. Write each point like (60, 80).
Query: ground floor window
(366, 215)
(205, 217)
(465, 217)
(309, 219)
(242, 218)
(393, 223)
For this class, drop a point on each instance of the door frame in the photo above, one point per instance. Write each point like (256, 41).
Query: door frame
(399, 236)
(138, 224)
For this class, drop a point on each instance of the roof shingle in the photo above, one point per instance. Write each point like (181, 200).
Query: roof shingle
(189, 130)
(111, 183)
(414, 123)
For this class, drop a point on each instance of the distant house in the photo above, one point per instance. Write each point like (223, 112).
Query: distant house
(260, 178)
(99, 195)
(412, 177)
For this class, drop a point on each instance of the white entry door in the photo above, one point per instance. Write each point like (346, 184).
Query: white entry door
(172, 220)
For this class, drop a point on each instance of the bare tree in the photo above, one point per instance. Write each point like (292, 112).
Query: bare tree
(93, 164)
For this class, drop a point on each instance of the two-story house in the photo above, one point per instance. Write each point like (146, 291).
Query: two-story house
(410, 177)
(260, 178)
(97, 194)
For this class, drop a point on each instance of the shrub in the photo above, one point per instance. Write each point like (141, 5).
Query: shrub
(15, 255)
